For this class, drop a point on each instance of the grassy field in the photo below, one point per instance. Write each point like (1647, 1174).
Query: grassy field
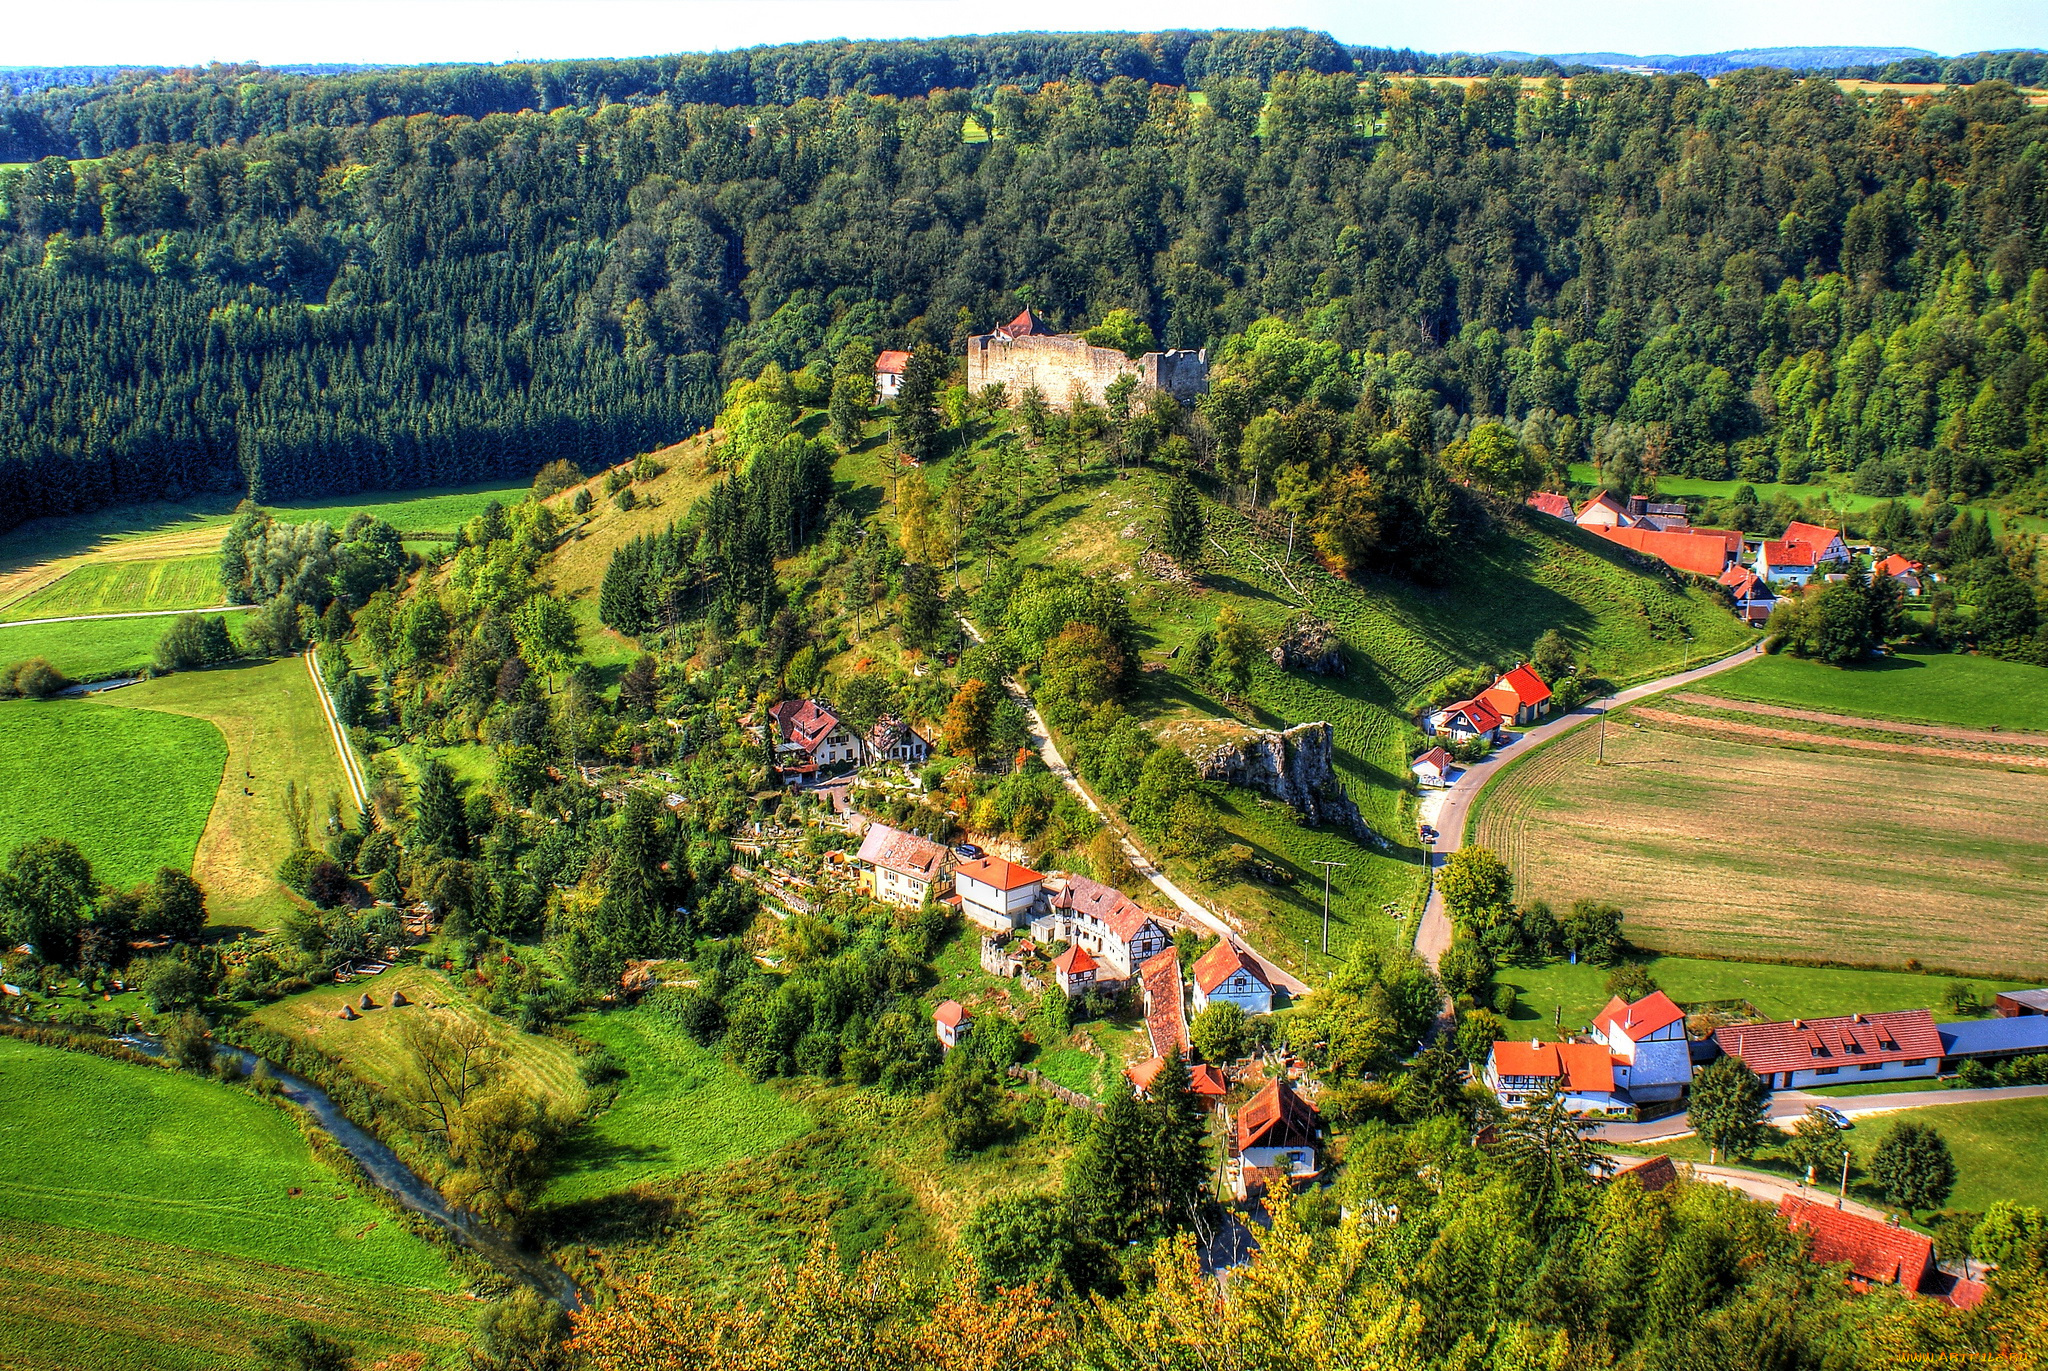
(1941, 687)
(88, 650)
(159, 1219)
(270, 716)
(1714, 846)
(1572, 995)
(122, 587)
(683, 1108)
(372, 1048)
(69, 769)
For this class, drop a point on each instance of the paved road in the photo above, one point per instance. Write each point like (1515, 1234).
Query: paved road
(1787, 1106)
(1433, 934)
(1143, 864)
(127, 614)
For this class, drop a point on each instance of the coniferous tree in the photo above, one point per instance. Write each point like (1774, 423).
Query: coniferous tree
(1182, 529)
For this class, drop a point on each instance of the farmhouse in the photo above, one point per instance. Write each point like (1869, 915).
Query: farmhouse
(1604, 511)
(1276, 1131)
(902, 868)
(1858, 1047)
(1520, 696)
(1227, 973)
(1582, 1072)
(996, 894)
(1024, 353)
(1752, 594)
(1466, 721)
(1551, 503)
(1875, 1253)
(1433, 768)
(1118, 930)
(1826, 543)
(1646, 1046)
(1779, 560)
(812, 736)
(1166, 1022)
(889, 374)
(953, 1022)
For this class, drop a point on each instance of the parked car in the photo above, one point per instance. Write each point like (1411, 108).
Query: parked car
(1834, 1116)
(967, 850)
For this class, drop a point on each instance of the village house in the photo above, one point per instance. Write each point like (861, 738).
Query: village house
(1779, 560)
(1647, 1047)
(1465, 721)
(1204, 1080)
(1875, 1253)
(1902, 573)
(892, 740)
(902, 868)
(996, 894)
(1433, 768)
(1227, 973)
(1116, 929)
(1582, 1072)
(1651, 1173)
(1276, 1134)
(1166, 1021)
(889, 374)
(1520, 696)
(1752, 594)
(1604, 511)
(812, 738)
(1075, 971)
(953, 1022)
(1551, 503)
(1826, 543)
(1902, 1045)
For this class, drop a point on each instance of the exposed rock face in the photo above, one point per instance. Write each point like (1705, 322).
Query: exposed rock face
(1309, 643)
(1296, 767)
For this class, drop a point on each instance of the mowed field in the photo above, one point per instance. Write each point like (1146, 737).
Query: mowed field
(158, 1219)
(1935, 687)
(1770, 839)
(86, 649)
(76, 769)
(124, 587)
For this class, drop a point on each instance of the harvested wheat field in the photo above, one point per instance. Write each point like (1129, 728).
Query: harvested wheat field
(1783, 838)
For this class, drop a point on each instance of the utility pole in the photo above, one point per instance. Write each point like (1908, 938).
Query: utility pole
(1843, 1196)
(1603, 739)
(1326, 865)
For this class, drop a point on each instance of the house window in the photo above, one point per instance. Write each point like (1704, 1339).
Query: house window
(1826, 1070)
(1871, 1066)
(1917, 1061)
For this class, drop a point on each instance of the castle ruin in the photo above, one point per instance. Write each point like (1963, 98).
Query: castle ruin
(1024, 352)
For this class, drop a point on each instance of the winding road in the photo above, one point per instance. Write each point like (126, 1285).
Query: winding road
(1433, 933)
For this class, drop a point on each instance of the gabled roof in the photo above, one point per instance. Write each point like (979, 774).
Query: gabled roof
(1876, 1253)
(1522, 684)
(1746, 584)
(1607, 502)
(1575, 1066)
(1437, 758)
(952, 1014)
(1165, 1023)
(1688, 550)
(1992, 1037)
(1125, 917)
(806, 723)
(1223, 961)
(1551, 503)
(1204, 1080)
(1816, 536)
(889, 731)
(892, 363)
(1651, 1173)
(1895, 565)
(1806, 1044)
(1025, 325)
(1478, 715)
(1073, 961)
(998, 873)
(1652, 1012)
(895, 850)
(1784, 553)
(1276, 1117)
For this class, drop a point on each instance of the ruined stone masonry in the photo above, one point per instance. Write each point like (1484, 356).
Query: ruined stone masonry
(1062, 364)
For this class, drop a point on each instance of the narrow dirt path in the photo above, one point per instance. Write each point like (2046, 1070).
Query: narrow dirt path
(126, 614)
(350, 767)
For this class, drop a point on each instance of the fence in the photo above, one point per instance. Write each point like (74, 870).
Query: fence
(1054, 1089)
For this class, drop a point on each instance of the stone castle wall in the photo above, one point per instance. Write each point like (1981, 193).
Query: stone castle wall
(1064, 365)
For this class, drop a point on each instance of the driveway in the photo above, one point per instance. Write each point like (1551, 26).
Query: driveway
(1433, 934)
(1789, 1106)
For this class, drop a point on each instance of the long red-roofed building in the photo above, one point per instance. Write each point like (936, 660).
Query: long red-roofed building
(1702, 552)
(1166, 1020)
(1901, 1045)
(1875, 1253)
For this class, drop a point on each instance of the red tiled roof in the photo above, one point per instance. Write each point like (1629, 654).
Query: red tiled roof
(1603, 501)
(1551, 503)
(1523, 684)
(892, 363)
(1731, 538)
(1965, 1294)
(1480, 716)
(1203, 1079)
(1651, 1173)
(1073, 961)
(1025, 325)
(1806, 1044)
(1579, 1066)
(1815, 536)
(1895, 565)
(1124, 916)
(952, 1014)
(1746, 584)
(1436, 757)
(896, 850)
(998, 873)
(1687, 550)
(1166, 1025)
(1652, 1012)
(804, 722)
(1876, 1253)
(1276, 1117)
(1223, 961)
(1785, 553)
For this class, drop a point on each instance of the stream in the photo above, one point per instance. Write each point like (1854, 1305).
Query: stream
(383, 1166)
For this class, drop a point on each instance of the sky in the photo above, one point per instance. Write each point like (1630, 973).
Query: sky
(179, 32)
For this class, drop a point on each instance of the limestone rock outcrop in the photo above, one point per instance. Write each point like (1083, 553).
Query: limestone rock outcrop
(1296, 766)
(1309, 643)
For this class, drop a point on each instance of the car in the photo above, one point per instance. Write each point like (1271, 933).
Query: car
(1834, 1116)
(967, 850)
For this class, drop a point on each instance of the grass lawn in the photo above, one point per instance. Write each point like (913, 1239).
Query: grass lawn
(160, 1219)
(683, 1108)
(1719, 847)
(121, 587)
(89, 650)
(1782, 992)
(472, 763)
(270, 716)
(1940, 687)
(372, 1046)
(68, 769)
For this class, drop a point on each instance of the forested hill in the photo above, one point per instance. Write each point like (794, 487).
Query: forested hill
(1759, 277)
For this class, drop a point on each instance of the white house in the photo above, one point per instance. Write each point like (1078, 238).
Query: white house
(1075, 970)
(1902, 1045)
(1276, 1131)
(892, 740)
(1826, 543)
(1433, 768)
(1604, 511)
(1778, 560)
(902, 868)
(1225, 973)
(1519, 697)
(1754, 599)
(953, 1022)
(1583, 1072)
(812, 737)
(889, 374)
(1647, 1047)
(1112, 926)
(1466, 721)
(996, 894)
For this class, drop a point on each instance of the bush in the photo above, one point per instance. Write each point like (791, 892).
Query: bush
(556, 477)
(34, 678)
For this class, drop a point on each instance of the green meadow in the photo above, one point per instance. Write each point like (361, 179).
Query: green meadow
(123, 587)
(1931, 687)
(87, 649)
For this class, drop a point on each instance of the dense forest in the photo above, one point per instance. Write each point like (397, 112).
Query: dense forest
(1765, 277)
